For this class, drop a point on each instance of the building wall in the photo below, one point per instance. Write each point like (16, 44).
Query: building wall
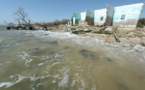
(75, 18)
(123, 16)
(110, 14)
(97, 16)
(90, 17)
(83, 16)
(129, 14)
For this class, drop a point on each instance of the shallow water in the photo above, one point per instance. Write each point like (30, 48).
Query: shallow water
(38, 60)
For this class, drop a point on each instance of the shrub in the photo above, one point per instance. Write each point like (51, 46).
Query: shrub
(142, 44)
(141, 22)
(103, 32)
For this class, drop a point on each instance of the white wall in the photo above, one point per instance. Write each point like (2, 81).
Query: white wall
(83, 16)
(131, 12)
(98, 14)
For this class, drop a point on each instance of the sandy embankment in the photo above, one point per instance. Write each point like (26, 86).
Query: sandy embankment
(126, 36)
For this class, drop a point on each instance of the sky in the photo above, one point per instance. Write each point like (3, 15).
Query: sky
(51, 10)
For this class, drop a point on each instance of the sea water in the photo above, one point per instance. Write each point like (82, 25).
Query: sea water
(43, 60)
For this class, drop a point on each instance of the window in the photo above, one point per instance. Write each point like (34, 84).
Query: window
(101, 18)
(122, 17)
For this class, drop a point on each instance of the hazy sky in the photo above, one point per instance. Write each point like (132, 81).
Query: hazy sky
(50, 10)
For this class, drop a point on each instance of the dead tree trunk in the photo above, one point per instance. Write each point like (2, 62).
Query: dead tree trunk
(22, 18)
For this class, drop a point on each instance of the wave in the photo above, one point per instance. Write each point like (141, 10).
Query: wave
(93, 42)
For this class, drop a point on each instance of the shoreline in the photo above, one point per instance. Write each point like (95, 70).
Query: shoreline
(131, 37)
(101, 39)
(91, 41)
(135, 50)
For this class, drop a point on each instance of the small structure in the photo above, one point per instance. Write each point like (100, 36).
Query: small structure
(122, 16)
(127, 16)
(75, 18)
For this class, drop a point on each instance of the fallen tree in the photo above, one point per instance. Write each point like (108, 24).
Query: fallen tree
(23, 22)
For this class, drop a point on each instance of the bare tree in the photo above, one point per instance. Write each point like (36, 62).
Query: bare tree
(22, 18)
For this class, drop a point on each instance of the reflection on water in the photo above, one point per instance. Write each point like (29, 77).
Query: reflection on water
(29, 62)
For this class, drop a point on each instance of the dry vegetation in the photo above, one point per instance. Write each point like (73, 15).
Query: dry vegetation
(141, 22)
